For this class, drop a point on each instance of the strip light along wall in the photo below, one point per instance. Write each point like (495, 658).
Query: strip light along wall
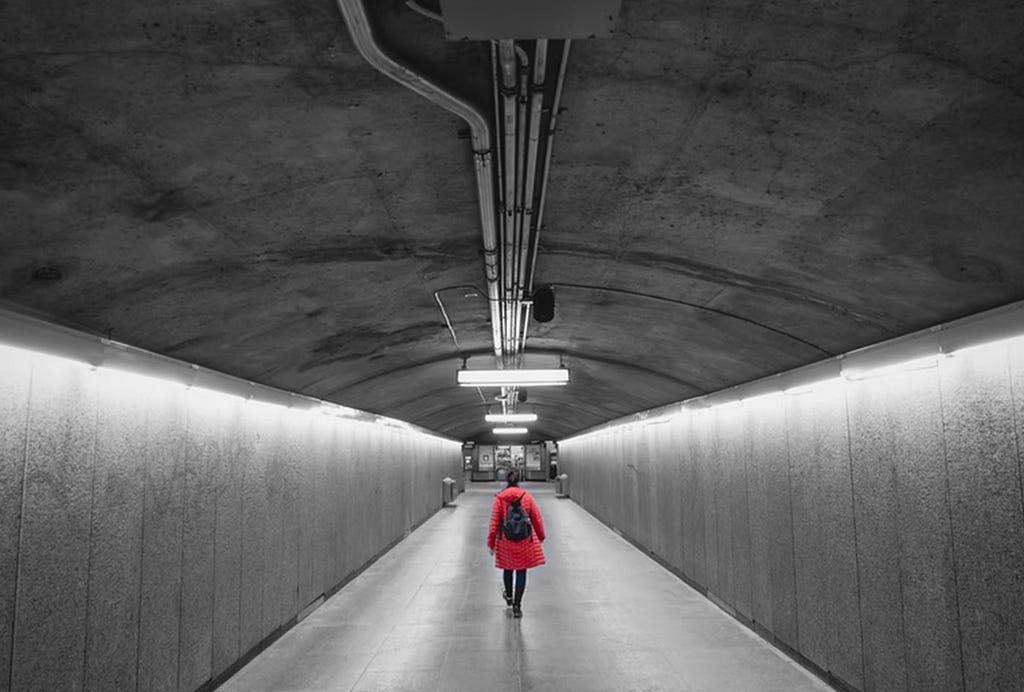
(511, 417)
(1000, 328)
(550, 377)
(27, 342)
(904, 366)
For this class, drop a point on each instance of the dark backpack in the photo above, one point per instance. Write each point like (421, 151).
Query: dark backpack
(517, 522)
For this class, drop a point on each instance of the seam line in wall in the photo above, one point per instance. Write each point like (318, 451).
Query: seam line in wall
(181, 535)
(856, 547)
(142, 552)
(88, 562)
(899, 569)
(21, 525)
(792, 536)
(1016, 432)
(952, 541)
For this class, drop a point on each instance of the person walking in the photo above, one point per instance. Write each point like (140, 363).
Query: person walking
(514, 537)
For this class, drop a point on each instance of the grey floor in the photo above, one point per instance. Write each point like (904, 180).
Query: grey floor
(599, 616)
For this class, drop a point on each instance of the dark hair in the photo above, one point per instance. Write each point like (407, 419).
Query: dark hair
(512, 478)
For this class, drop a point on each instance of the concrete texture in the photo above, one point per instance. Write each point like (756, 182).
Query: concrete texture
(159, 536)
(877, 434)
(810, 529)
(14, 389)
(986, 510)
(886, 520)
(116, 536)
(734, 191)
(160, 604)
(51, 613)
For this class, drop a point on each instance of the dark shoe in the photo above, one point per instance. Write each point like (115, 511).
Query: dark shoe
(517, 611)
(508, 599)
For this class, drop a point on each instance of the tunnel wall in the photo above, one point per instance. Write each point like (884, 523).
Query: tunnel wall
(151, 536)
(873, 528)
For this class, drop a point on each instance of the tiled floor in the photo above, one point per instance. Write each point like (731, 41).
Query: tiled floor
(599, 616)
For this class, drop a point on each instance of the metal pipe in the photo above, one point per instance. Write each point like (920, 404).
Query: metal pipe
(506, 49)
(547, 158)
(420, 9)
(480, 133)
(533, 150)
(519, 232)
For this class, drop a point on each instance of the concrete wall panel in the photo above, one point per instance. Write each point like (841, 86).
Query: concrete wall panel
(150, 535)
(692, 497)
(642, 486)
(308, 476)
(343, 460)
(53, 562)
(708, 470)
(268, 456)
(14, 392)
(222, 443)
(832, 447)
(988, 526)
(722, 460)
(927, 578)
(115, 562)
(660, 496)
(760, 511)
(809, 526)
(160, 597)
(770, 451)
(334, 443)
(198, 545)
(252, 459)
(292, 450)
(878, 525)
(734, 451)
(877, 440)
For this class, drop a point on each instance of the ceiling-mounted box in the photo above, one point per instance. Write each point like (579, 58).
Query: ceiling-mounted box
(484, 20)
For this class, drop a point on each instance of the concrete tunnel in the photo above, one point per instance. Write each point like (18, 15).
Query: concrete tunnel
(249, 250)
(165, 525)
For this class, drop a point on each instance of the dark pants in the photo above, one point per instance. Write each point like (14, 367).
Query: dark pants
(520, 584)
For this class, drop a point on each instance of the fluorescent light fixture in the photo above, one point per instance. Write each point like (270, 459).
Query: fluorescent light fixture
(799, 389)
(510, 431)
(513, 378)
(511, 417)
(761, 398)
(728, 405)
(905, 366)
(1011, 342)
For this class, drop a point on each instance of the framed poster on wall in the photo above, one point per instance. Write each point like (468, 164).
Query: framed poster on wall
(533, 458)
(485, 457)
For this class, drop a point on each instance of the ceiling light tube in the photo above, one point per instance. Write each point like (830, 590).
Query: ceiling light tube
(906, 366)
(510, 431)
(511, 417)
(513, 378)
(798, 390)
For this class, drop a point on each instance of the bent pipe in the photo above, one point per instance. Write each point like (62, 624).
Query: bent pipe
(354, 13)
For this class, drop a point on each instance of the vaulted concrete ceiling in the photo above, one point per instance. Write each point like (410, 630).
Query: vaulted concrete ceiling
(736, 189)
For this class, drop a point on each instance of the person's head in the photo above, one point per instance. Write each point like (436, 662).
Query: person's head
(512, 478)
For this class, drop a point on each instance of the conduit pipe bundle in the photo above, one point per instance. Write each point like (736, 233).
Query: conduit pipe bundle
(519, 99)
(366, 43)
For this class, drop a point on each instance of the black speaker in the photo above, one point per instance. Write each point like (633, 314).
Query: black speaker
(544, 304)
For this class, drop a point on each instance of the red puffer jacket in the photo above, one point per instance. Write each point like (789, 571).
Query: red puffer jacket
(515, 554)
